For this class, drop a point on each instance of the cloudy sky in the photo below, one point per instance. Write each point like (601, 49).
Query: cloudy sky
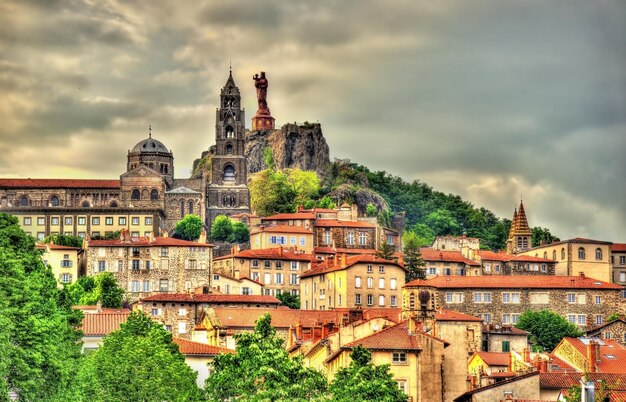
(491, 100)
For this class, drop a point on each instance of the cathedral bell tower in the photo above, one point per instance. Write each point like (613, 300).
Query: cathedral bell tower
(227, 191)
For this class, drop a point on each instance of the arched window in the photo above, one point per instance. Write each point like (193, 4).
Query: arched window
(190, 207)
(232, 201)
(154, 194)
(545, 255)
(229, 132)
(54, 201)
(182, 208)
(229, 173)
(598, 254)
(135, 195)
(554, 255)
(24, 201)
(229, 149)
(562, 253)
(581, 253)
(113, 204)
(85, 204)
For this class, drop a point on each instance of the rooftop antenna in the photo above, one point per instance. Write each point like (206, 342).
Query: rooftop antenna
(150, 131)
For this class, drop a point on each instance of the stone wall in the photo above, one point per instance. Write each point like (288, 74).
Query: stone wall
(339, 237)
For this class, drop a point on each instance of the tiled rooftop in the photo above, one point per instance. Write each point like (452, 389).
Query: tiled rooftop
(211, 298)
(513, 282)
(190, 348)
(103, 323)
(429, 254)
(329, 265)
(146, 242)
(59, 183)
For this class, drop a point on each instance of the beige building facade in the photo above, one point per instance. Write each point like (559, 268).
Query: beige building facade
(64, 261)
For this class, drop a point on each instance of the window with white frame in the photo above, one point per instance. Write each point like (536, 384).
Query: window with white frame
(510, 297)
(102, 266)
(278, 278)
(381, 269)
(599, 320)
(510, 318)
(393, 301)
(294, 265)
(598, 299)
(182, 327)
(370, 300)
(267, 278)
(370, 269)
(66, 278)
(362, 238)
(182, 311)
(279, 265)
(482, 297)
(381, 283)
(146, 286)
(539, 298)
(433, 271)
(302, 241)
(370, 282)
(486, 317)
(357, 299)
(357, 282)
(255, 263)
(393, 283)
(293, 279)
(327, 237)
(454, 297)
(398, 358)
(381, 300)
(267, 264)
(350, 238)
(134, 286)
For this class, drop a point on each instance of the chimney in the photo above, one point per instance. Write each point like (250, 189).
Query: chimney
(99, 306)
(581, 274)
(202, 238)
(355, 213)
(299, 331)
(592, 355)
(335, 263)
(165, 235)
(526, 355)
(511, 365)
(325, 328)
(280, 250)
(343, 260)
(151, 237)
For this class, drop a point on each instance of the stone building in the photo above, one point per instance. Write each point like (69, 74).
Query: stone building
(578, 256)
(500, 263)
(447, 262)
(618, 261)
(181, 313)
(592, 355)
(614, 330)
(294, 238)
(145, 266)
(352, 282)
(504, 338)
(277, 269)
(501, 300)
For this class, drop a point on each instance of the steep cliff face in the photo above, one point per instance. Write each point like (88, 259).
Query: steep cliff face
(293, 146)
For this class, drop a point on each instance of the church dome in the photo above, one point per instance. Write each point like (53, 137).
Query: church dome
(150, 145)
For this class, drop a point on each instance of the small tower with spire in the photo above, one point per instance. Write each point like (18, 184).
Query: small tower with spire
(520, 234)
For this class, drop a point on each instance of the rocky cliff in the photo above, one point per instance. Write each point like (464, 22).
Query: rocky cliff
(293, 146)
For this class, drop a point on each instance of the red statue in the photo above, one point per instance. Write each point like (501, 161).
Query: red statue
(260, 84)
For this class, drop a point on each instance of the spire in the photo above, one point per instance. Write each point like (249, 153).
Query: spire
(522, 222)
(513, 223)
(150, 131)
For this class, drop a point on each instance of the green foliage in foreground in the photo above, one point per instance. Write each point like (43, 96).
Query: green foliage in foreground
(261, 370)
(189, 228)
(413, 262)
(546, 328)
(63, 240)
(139, 362)
(223, 229)
(88, 290)
(363, 381)
(39, 348)
(289, 300)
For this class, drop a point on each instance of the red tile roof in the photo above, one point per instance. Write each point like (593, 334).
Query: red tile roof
(289, 216)
(212, 298)
(282, 229)
(617, 364)
(396, 337)
(190, 348)
(513, 282)
(429, 254)
(102, 324)
(328, 265)
(56, 247)
(345, 224)
(269, 254)
(449, 315)
(494, 358)
(281, 318)
(59, 183)
(615, 381)
(618, 248)
(531, 258)
(338, 250)
(145, 242)
(504, 257)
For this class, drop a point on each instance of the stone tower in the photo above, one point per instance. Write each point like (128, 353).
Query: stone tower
(227, 191)
(520, 234)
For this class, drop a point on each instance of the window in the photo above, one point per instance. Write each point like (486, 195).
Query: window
(28, 221)
(370, 300)
(327, 236)
(135, 220)
(146, 286)
(278, 264)
(136, 265)
(267, 264)
(598, 299)
(278, 278)
(362, 238)
(506, 346)
(41, 221)
(508, 297)
(193, 264)
(135, 251)
(148, 220)
(582, 319)
(82, 220)
(393, 301)
(454, 297)
(510, 318)
(292, 240)
(303, 241)
(486, 318)
(598, 320)
(381, 300)
(357, 282)
(293, 279)
(381, 283)
(67, 220)
(554, 255)
(398, 358)
(622, 259)
(95, 220)
(148, 264)
(81, 234)
(66, 263)
(24, 201)
(571, 298)
(539, 298)
(135, 194)
(134, 286)
(599, 254)
(294, 265)
(229, 173)
(66, 278)
(246, 291)
(357, 299)
(393, 283)
(381, 269)
(370, 269)
(370, 282)
(154, 195)
(182, 311)
(41, 235)
(155, 311)
(256, 276)
(350, 238)
(267, 279)
(433, 271)
(581, 253)
(102, 266)
(182, 327)
(108, 220)
(482, 297)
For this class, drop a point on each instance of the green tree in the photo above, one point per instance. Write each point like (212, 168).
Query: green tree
(63, 240)
(386, 251)
(385, 218)
(262, 370)
(221, 228)
(189, 228)
(413, 262)
(268, 158)
(326, 203)
(138, 362)
(282, 190)
(613, 317)
(363, 381)
(442, 222)
(546, 328)
(423, 234)
(289, 300)
(88, 290)
(240, 233)
(39, 344)
(541, 236)
(371, 210)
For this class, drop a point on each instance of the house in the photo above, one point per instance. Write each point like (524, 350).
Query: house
(99, 322)
(618, 261)
(226, 284)
(447, 262)
(291, 237)
(278, 269)
(522, 388)
(554, 385)
(592, 355)
(148, 265)
(504, 338)
(502, 299)
(199, 357)
(352, 282)
(614, 330)
(65, 261)
(500, 263)
(488, 367)
(181, 312)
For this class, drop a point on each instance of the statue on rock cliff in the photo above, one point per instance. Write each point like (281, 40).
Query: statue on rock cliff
(263, 119)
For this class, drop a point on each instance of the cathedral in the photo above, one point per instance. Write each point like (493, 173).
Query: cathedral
(147, 199)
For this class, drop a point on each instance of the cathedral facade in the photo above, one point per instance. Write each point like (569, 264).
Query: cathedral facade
(147, 199)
